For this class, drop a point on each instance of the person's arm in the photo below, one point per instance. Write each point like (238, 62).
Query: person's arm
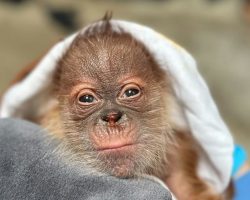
(29, 169)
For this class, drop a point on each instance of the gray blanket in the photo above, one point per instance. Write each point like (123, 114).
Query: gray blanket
(30, 170)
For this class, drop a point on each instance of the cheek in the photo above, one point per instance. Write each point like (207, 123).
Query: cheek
(77, 136)
(151, 100)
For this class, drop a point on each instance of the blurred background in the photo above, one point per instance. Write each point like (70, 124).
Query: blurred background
(216, 32)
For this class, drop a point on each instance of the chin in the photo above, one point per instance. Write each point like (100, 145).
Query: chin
(120, 162)
(125, 169)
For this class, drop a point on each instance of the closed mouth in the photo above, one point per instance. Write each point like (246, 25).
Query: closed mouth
(116, 147)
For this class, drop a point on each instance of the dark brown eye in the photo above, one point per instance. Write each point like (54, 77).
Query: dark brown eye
(87, 99)
(131, 92)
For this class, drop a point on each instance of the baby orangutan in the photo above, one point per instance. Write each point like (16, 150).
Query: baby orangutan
(113, 110)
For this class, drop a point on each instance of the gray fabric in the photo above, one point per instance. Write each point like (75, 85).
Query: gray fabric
(29, 170)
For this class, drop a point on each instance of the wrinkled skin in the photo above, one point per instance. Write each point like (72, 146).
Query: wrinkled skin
(119, 133)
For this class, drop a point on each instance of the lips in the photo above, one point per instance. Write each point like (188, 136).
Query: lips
(116, 138)
(116, 146)
(113, 142)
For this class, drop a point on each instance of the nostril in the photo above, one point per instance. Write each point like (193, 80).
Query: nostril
(105, 118)
(118, 116)
(112, 116)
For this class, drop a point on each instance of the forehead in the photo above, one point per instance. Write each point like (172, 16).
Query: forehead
(107, 56)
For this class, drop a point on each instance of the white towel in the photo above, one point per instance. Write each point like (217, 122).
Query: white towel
(200, 114)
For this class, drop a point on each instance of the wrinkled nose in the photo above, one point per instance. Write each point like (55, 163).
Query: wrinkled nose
(111, 116)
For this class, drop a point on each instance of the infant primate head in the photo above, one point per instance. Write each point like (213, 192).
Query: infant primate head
(113, 101)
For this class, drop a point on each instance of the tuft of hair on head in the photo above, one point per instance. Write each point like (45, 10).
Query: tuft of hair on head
(106, 26)
(108, 16)
(102, 26)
